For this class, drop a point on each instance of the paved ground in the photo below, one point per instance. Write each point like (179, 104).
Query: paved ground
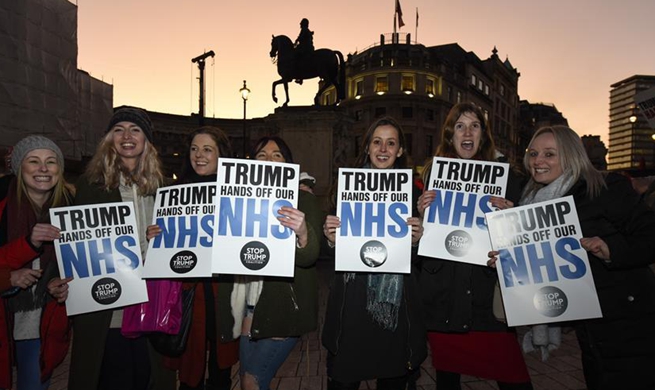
(305, 367)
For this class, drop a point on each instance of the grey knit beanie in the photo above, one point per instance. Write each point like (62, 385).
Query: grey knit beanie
(33, 142)
(135, 115)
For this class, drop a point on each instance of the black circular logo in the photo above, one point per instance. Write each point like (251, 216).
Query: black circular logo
(255, 255)
(550, 301)
(183, 262)
(373, 254)
(458, 243)
(106, 291)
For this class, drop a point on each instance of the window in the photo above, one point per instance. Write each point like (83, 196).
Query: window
(408, 112)
(486, 115)
(359, 114)
(429, 115)
(502, 90)
(480, 85)
(450, 94)
(381, 85)
(359, 88)
(407, 84)
(429, 87)
(474, 80)
(486, 89)
(429, 146)
(380, 111)
(459, 97)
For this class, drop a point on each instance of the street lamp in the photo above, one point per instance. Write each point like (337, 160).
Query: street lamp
(244, 95)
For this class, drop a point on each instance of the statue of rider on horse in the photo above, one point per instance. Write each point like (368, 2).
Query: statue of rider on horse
(299, 61)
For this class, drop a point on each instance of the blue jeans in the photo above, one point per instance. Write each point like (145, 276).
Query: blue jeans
(27, 365)
(262, 358)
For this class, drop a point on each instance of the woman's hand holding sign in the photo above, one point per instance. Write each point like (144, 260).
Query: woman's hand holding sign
(417, 229)
(294, 219)
(58, 288)
(424, 201)
(332, 222)
(597, 247)
(501, 203)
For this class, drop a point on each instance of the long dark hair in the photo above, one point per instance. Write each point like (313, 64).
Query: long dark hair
(487, 150)
(284, 148)
(222, 142)
(363, 157)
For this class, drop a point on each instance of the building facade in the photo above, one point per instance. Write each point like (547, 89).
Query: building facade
(418, 85)
(631, 144)
(41, 89)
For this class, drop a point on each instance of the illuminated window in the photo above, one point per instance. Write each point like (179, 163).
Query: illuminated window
(459, 97)
(474, 80)
(429, 87)
(407, 84)
(486, 89)
(381, 85)
(359, 88)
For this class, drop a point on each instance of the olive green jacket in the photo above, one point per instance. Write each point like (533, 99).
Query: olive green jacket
(289, 306)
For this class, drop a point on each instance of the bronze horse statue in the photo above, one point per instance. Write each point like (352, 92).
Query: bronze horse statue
(326, 64)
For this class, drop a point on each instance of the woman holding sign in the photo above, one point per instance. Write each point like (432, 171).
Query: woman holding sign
(29, 276)
(618, 350)
(464, 335)
(372, 325)
(125, 168)
(279, 310)
(212, 322)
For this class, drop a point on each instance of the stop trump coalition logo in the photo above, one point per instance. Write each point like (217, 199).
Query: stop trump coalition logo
(106, 291)
(255, 255)
(373, 254)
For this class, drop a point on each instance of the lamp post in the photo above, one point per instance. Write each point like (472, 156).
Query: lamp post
(244, 95)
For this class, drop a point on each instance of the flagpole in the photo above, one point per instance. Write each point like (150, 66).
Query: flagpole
(394, 20)
(416, 28)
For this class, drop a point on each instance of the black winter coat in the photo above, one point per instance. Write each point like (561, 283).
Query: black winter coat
(625, 285)
(458, 297)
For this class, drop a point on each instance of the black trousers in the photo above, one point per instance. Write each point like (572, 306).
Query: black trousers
(125, 363)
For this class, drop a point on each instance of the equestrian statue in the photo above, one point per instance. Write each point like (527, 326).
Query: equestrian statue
(300, 62)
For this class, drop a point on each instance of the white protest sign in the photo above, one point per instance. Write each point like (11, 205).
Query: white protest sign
(249, 238)
(543, 270)
(454, 224)
(99, 248)
(185, 213)
(373, 205)
(645, 100)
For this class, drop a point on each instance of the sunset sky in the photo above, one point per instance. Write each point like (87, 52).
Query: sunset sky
(568, 52)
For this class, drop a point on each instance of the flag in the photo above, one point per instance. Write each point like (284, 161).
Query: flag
(399, 11)
(416, 16)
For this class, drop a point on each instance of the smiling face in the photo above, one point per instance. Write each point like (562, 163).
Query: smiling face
(544, 159)
(204, 155)
(129, 142)
(467, 135)
(40, 173)
(384, 147)
(270, 152)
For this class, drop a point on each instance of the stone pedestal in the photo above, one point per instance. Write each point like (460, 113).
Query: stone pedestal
(319, 140)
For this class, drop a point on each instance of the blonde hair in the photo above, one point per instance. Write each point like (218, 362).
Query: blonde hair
(106, 167)
(573, 159)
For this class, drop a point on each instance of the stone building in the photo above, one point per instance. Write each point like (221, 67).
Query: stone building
(41, 89)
